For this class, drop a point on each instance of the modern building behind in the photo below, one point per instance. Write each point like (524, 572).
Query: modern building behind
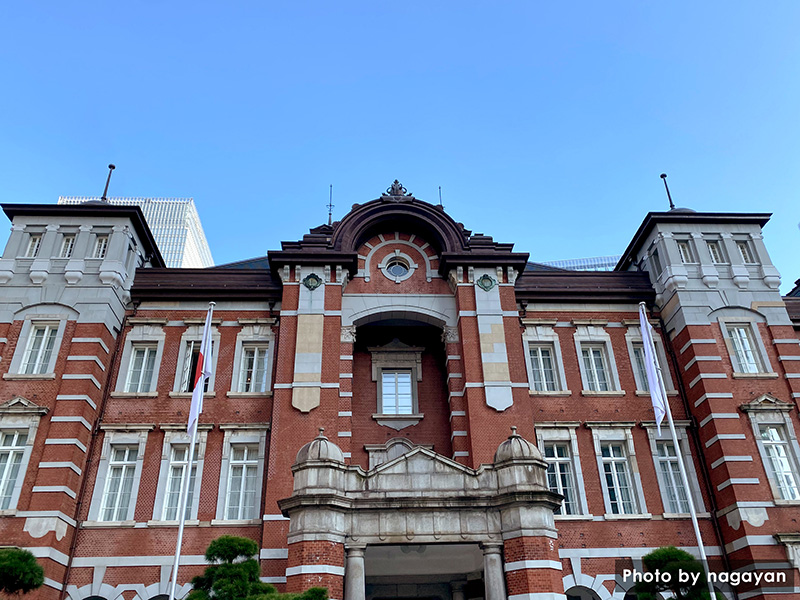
(175, 225)
(398, 408)
(594, 263)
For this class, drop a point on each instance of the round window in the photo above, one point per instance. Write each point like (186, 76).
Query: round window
(397, 268)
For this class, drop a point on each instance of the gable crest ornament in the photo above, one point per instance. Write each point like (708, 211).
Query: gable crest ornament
(397, 192)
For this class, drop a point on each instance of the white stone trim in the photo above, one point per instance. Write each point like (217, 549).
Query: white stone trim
(82, 397)
(90, 340)
(520, 565)
(65, 442)
(56, 489)
(700, 341)
(315, 569)
(71, 419)
(702, 376)
(738, 481)
(89, 359)
(82, 376)
(713, 416)
(711, 395)
(725, 436)
(731, 458)
(273, 553)
(60, 465)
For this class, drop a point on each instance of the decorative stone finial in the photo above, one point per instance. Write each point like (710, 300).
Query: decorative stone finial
(513, 430)
(321, 432)
(396, 190)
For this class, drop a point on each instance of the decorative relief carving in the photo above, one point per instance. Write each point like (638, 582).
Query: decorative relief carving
(450, 335)
(349, 334)
(486, 282)
(312, 282)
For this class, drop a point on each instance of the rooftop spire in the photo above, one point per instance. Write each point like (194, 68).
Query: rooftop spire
(671, 205)
(108, 180)
(330, 206)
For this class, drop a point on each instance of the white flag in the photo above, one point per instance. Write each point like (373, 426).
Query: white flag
(202, 373)
(651, 367)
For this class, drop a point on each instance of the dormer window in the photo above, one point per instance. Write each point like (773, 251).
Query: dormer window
(67, 246)
(685, 251)
(745, 252)
(716, 252)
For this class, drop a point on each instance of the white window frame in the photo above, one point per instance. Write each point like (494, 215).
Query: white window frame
(194, 334)
(716, 243)
(101, 243)
(150, 349)
(754, 336)
(603, 433)
(67, 245)
(565, 433)
(768, 410)
(34, 245)
(394, 357)
(688, 462)
(20, 415)
(545, 336)
(252, 335)
(633, 339)
(746, 251)
(251, 434)
(591, 335)
(128, 435)
(685, 251)
(140, 335)
(176, 435)
(17, 365)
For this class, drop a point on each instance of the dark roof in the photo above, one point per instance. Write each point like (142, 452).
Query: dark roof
(102, 210)
(679, 216)
(206, 284)
(793, 308)
(534, 266)
(585, 286)
(260, 262)
(796, 291)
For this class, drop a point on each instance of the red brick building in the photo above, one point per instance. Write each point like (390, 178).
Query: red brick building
(487, 429)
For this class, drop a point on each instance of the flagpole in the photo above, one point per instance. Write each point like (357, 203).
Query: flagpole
(182, 512)
(681, 467)
(203, 371)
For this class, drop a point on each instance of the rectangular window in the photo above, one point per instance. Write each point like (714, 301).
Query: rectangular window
(685, 251)
(39, 350)
(34, 243)
(12, 447)
(745, 252)
(745, 357)
(676, 500)
(242, 479)
(543, 368)
(191, 358)
(119, 483)
(639, 368)
(396, 395)
(178, 462)
(617, 477)
(595, 367)
(716, 252)
(560, 476)
(779, 461)
(100, 246)
(140, 371)
(656, 262)
(67, 246)
(253, 374)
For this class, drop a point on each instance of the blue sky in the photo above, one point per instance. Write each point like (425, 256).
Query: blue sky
(546, 123)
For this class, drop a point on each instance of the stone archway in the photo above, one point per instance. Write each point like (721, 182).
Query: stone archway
(338, 512)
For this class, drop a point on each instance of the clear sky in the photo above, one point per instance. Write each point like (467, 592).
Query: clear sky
(546, 124)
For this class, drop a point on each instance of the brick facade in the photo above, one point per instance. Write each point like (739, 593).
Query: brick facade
(462, 318)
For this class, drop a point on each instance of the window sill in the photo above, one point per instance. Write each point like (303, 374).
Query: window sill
(189, 395)
(640, 517)
(267, 394)
(8, 512)
(26, 376)
(234, 522)
(397, 422)
(702, 515)
(134, 394)
(608, 394)
(647, 394)
(101, 524)
(755, 375)
(189, 522)
(573, 517)
(550, 393)
(782, 502)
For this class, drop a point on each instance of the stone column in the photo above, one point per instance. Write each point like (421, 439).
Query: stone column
(493, 572)
(457, 589)
(354, 586)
